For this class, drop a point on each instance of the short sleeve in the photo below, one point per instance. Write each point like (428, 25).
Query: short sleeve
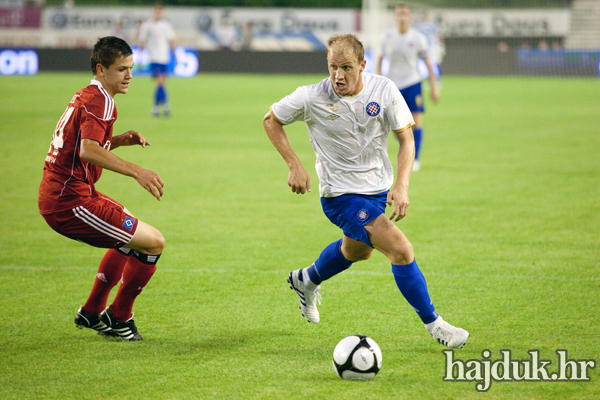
(291, 108)
(96, 118)
(93, 128)
(397, 114)
(423, 46)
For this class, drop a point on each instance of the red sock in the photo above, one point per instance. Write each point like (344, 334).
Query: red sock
(136, 275)
(109, 273)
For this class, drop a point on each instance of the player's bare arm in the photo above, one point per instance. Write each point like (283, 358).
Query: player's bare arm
(398, 194)
(378, 65)
(92, 152)
(435, 94)
(298, 178)
(129, 138)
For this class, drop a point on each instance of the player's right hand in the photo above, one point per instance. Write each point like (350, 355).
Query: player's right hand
(150, 181)
(299, 180)
(435, 94)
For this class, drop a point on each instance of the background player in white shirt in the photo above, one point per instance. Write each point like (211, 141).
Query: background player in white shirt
(349, 117)
(435, 40)
(403, 46)
(158, 36)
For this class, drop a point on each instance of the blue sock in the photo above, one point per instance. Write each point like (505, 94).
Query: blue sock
(160, 95)
(411, 282)
(330, 262)
(418, 134)
(163, 96)
(156, 96)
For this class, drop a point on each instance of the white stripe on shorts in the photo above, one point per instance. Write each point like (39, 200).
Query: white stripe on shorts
(101, 225)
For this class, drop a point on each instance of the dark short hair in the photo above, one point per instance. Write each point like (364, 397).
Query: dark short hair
(348, 41)
(107, 50)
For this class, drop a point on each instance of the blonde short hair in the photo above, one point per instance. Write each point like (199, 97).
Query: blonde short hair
(346, 41)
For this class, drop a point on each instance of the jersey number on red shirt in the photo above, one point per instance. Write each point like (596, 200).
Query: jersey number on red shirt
(57, 137)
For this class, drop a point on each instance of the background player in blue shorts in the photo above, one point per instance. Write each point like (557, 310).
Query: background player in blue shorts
(158, 36)
(349, 116)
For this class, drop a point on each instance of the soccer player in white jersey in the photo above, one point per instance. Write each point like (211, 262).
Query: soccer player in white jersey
(158, 36)
(431, 30)
(403, 46)
(349, 117)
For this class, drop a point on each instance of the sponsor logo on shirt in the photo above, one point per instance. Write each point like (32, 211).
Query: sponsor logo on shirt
(332, 107)
(373, 109)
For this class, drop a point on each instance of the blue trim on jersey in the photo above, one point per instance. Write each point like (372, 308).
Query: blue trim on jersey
(351, 212)
(414, 97)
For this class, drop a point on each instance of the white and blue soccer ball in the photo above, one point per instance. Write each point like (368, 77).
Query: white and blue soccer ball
(357, 358)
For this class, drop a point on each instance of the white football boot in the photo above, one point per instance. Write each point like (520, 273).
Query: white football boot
(416, 166)
(447, 334)
(308, 298)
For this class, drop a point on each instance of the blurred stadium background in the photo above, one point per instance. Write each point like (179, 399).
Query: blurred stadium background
(477, 37)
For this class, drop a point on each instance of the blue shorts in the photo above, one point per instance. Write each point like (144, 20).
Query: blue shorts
(351, 212)
(413, 97)
(158, 69)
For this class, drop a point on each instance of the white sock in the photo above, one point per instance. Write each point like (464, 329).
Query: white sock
(310, 285)
(432, 325)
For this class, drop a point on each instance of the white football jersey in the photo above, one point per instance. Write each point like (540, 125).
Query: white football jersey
(403, 52)
(349, 134)
(156, 36)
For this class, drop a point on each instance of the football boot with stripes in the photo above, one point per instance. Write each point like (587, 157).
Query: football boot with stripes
(126, 330)
(449, 335)
(84, 319)
(308, 298)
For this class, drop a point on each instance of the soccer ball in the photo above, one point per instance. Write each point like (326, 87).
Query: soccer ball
(357, 358)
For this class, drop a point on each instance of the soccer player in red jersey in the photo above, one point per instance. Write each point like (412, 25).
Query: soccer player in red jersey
(80, 149)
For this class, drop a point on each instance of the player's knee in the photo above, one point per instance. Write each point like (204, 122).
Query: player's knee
(159, 242)
(156, 243)
(403, 254)
(360, 254)
(365, 255)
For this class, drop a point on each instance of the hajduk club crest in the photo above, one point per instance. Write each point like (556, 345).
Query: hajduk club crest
(373, 109)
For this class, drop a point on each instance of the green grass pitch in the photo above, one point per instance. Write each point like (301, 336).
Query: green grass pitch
(504, 219)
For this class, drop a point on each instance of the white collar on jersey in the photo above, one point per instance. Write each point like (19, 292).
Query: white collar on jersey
(97, 83)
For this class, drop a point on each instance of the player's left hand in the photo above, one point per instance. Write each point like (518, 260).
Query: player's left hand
(399, 199)
(131, 138)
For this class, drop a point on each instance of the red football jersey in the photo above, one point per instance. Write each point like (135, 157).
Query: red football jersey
(68, 180)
